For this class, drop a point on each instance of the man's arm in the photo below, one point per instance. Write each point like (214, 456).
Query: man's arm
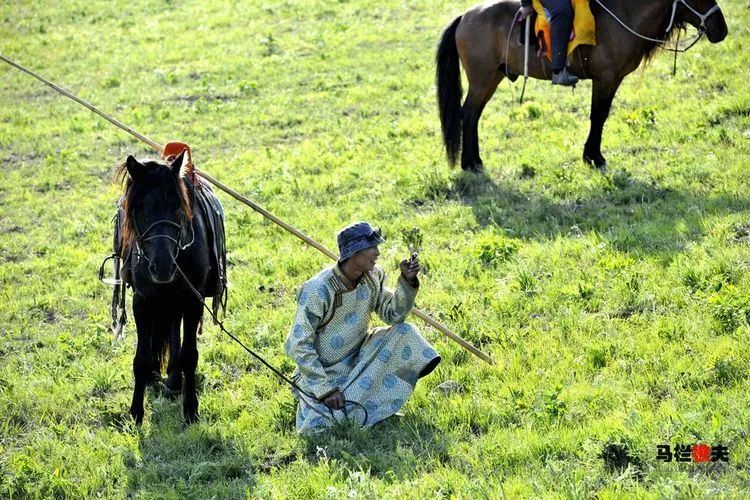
(393, 307)
(300, 343)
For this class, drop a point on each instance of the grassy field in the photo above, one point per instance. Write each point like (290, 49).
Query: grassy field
(617, 306)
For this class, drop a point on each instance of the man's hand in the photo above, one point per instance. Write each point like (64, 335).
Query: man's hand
(523, 13)
(410, 268)
(334, 400)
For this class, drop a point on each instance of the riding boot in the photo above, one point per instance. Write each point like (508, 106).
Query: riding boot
(561, 24)
(564, 78)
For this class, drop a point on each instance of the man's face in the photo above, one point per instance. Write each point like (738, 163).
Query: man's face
(365, 259)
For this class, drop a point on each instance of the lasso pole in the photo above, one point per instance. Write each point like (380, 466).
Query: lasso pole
(85, 104)
(525, 58)
(441, 328)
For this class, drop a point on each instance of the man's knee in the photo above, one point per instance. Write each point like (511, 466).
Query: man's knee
(405, 328)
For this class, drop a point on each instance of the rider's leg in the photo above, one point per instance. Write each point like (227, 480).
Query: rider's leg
(561, 24)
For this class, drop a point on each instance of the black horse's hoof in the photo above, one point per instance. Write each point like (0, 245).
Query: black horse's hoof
(137, 414)
(474, 168)
(190, 411)
(596, 160)
(191, 418)
(173, 385)
(153, 378)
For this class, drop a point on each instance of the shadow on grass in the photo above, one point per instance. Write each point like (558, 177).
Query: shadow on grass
(175, 460)
(632, 215)
(396, 449)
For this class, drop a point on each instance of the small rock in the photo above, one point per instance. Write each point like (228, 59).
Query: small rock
(450, 386)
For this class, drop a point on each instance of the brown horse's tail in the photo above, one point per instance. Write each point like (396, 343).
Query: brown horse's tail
(449, 91)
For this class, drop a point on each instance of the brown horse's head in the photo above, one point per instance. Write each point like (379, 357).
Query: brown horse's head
(705, 15)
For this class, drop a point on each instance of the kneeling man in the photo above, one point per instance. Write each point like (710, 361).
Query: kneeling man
(352, 371)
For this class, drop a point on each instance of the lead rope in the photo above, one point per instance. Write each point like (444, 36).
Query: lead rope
(300, 391)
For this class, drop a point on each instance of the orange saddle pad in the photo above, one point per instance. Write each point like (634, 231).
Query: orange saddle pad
(584, 27)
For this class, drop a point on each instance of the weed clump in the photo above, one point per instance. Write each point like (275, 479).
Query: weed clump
(491, 250)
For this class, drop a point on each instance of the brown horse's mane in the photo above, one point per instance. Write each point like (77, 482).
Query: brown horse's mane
(121, 176)
(677, 28)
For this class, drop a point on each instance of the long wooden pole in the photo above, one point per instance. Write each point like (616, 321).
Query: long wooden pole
(421, 315)
(234, 194)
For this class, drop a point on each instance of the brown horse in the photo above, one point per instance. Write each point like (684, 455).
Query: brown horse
(625, 35)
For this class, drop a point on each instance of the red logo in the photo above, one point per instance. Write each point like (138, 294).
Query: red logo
(701, 453)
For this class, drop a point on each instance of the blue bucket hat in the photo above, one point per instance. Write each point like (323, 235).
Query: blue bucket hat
(359, 236)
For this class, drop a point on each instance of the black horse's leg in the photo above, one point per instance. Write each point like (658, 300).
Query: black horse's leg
(601, 101)
(142, 362)
(193, 312)
(174, 371)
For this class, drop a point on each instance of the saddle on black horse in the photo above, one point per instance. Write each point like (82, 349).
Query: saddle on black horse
(205, 202)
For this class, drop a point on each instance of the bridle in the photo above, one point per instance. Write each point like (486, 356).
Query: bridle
(141, 238)
(675, 4)
(702, 17)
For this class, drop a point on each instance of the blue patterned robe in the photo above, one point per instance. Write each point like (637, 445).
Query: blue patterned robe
(334, 349)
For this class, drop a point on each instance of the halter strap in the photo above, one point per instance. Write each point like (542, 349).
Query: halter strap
(700, 16)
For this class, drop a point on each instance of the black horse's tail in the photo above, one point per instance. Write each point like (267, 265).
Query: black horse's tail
(160, 342)
(449, 91)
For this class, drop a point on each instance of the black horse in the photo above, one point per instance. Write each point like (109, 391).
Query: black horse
(170, 240)
(478, 41)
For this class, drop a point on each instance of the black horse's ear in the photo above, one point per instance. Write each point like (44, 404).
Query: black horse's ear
(177, 163)
(135, 168)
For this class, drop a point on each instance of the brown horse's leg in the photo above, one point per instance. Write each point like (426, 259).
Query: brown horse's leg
(476, 100)
(480, 48)
(193, 313)
(601, 101)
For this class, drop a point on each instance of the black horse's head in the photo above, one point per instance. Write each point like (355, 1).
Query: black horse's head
(705, 15)
(158, 215)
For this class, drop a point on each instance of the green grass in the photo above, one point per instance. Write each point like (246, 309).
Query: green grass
(617, 306)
